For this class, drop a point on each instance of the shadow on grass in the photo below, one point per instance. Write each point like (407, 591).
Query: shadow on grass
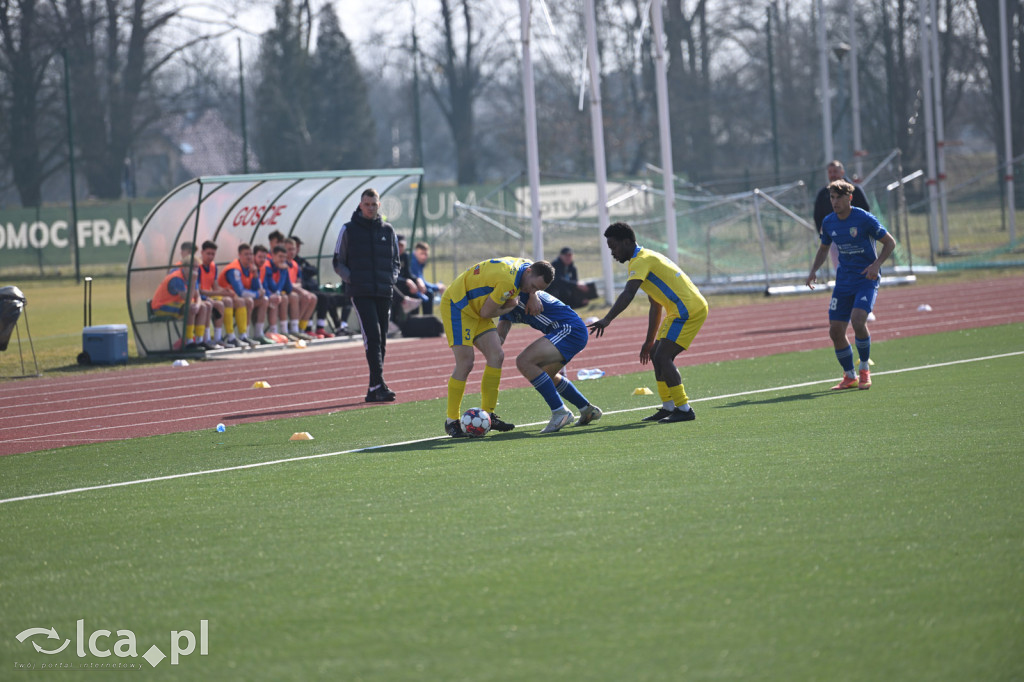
(282, 413)
(553, 440)
(780, 399)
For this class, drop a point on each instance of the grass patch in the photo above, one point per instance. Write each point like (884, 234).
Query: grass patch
(788, 534)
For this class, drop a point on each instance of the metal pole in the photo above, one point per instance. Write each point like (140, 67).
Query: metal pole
(71, 168)
(770, 10)
(761, 238)
(929, 132)
(940, 128)
(597, 133)
(664, 131)
(241, 104)
(532, 152)
(858, 152)
(417, 115)
(1004, 61)
(826, 102)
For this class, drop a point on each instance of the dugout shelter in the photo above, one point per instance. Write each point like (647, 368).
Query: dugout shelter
(235, 209)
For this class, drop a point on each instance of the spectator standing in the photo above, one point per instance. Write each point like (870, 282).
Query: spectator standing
(366, 259)
(823, 203)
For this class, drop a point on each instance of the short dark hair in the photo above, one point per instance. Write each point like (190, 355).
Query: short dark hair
(208, 244)
(544, 269)
(370, 192)
(259, 248)
(280, 249)
(243, 247)
(620, 231)
(276, 235)
(565, 250)
(188, 245)
(297, 241)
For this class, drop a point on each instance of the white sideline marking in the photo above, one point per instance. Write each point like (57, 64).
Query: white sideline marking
(304, 458)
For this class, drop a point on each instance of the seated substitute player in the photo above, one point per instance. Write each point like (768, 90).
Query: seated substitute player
(425, 291)
(670, 289)
(565, 336)
(210, 291)
(481, 293)
(264, 333)
(852, 230)
(277, 285)
(169, 302)
(301, 303)
(242, 278)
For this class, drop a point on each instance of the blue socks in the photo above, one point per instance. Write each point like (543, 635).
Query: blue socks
(864, 351)
(570, 393)
(845, 358)
(547, 389)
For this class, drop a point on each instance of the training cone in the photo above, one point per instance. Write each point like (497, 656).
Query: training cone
(301, 435)
(261, 384)
(180, 363)
(643, 390)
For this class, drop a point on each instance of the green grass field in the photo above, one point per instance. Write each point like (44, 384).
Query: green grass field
(787, 534)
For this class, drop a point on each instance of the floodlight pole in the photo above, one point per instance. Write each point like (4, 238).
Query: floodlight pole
(826, 96)
(858, 152)
(597, 133)
(1004, 39)
(940, 127)
(241, 106)
(929, 126)
(71, 168)
(530, 111)
(664, 131)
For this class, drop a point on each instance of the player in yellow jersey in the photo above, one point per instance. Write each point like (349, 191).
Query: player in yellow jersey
(668, 289)
(468, 308)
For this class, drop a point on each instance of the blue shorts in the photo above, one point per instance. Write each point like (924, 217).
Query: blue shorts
(845, 298)
(569, 340)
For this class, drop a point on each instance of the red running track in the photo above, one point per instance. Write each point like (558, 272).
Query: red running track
(54, 412)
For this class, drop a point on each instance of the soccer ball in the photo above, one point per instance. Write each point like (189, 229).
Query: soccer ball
(476, 422)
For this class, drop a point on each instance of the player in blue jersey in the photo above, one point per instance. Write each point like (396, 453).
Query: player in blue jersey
(565, 335)
(277, 284)
(854, 232)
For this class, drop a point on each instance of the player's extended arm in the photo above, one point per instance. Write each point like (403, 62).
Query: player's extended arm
(653, 322)
(492, 308)
(819, 258)
(888, 245)
(621, 303)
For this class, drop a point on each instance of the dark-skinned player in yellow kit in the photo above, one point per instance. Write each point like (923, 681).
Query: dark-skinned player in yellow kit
(668, 289)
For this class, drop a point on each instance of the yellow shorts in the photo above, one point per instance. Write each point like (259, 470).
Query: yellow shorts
(680, 331)
(461, 327)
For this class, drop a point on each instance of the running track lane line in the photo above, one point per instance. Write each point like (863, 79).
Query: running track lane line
(255, 465)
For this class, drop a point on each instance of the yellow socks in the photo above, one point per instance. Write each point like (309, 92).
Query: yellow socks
(456, 389)
(489, 388)
(242, 320)
(678, 395)
(229, 320)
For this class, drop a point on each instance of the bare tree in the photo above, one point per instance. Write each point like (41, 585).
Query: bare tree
(115, 52)
(26, 64)
(464, 61)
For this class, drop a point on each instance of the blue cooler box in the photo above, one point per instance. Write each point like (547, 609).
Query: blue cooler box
(106, 344)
